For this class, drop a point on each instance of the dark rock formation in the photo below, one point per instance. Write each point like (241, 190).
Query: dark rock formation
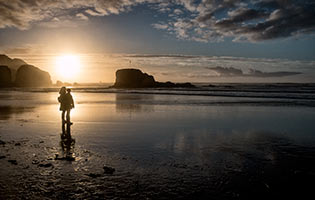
(13, 64)
(30, 76)
(108, 170)
(135, 78)
(60, 83)
(13, 162)
(169, 84)
(5, 76)
(45, 165)
(2, 142)
(21, 74)
(93, 175)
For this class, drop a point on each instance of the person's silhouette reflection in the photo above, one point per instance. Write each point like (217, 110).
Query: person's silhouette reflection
(67, 143)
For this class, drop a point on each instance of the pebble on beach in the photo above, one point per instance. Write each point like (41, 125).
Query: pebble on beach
(108, 170)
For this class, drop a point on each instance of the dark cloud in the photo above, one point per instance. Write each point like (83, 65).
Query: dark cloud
(232, 72)
(258, 73)
(245, 14)
(251, 20)
(203, 21)
(280, 23)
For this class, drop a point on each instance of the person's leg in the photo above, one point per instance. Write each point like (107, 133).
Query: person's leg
(63, 116)
(68, 116)
(63, 127)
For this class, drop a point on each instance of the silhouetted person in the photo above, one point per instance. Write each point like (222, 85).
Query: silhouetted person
(69, 104)
(67, 142)
(66, 104)
(62, 92)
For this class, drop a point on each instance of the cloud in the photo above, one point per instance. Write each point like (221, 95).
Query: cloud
(18, 50)
(22, 14)
(160, 26)
(62, 22)
(25, 49)
(258, 73)
(249, 20)
(178, 12)
(202, 20)
(82, 16)
(226, 71)
(161, 56)
(234, 72)
(92, 12)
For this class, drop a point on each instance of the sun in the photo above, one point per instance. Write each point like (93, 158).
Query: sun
(68, 66)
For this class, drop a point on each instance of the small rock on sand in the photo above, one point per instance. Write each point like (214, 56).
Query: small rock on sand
(108, 170)
(35, 162)
(2, 142)
(93, 175)
(46, 165)
(13, 162)
(68, 158)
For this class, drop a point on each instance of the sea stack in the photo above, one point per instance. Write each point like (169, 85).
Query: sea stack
(135, 78)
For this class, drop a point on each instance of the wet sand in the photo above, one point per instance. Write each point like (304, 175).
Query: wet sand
(158, 146)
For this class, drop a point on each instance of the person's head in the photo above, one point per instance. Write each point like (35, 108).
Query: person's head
(68, 90)
(62, 90)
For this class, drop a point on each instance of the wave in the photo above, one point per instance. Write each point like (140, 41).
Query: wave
(296, 94)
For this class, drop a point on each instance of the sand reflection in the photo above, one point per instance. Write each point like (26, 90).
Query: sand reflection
(6, 112)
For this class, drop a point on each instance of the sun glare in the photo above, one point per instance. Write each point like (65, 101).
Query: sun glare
(68, 66)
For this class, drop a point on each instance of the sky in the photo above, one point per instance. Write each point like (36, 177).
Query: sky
(177, 40)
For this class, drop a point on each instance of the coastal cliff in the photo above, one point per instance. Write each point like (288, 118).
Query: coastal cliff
(5, 76)
(16, 72)
(30, 76)
(13, 64)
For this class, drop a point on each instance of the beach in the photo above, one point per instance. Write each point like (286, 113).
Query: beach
(157, 100)
(217, 143)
